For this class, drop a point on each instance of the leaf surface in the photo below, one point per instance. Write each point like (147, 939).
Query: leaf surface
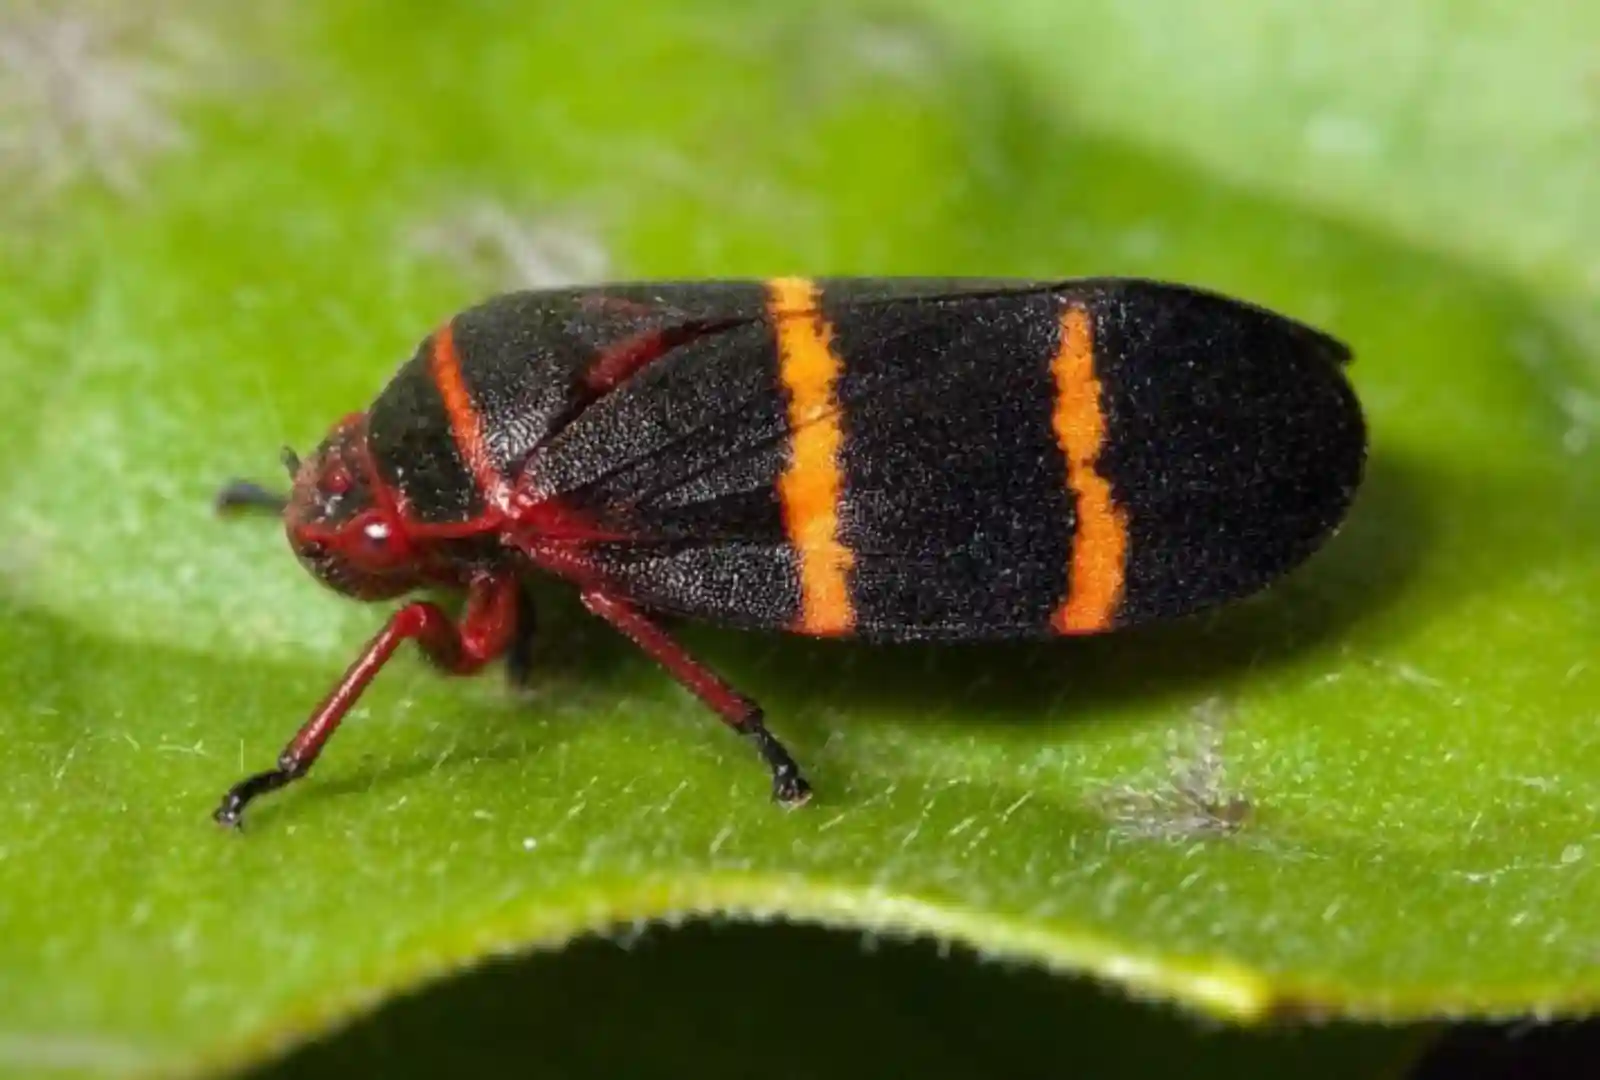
(1369, 791)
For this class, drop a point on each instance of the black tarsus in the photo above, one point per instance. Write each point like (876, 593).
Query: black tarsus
(231, 810)
(789, 786)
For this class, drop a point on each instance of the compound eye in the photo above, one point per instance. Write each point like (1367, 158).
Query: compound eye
(336, 480)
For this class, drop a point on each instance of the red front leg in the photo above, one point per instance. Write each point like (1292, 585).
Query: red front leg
(486, 628)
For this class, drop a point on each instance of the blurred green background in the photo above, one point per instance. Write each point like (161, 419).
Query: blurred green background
(222, 226)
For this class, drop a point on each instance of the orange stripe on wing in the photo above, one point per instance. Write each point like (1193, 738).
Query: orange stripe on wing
(1100, 540)
(465, 422)
(811, 487)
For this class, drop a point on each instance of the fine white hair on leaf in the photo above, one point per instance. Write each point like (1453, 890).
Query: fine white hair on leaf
(88, 92)
(514, 250)
(1192, 798)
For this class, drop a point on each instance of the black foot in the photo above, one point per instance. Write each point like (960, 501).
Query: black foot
(231, 810)
(244, 495)
(789, 787)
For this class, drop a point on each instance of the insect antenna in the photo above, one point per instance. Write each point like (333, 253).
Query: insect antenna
(245, 495)
(248, 495)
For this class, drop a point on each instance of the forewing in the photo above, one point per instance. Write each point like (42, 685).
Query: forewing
(942, 501)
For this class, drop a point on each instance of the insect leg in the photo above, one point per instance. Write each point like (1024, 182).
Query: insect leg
(519, 653)
(486, 628)
(789, 787)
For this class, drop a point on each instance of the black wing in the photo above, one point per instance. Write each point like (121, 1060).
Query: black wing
(966, 459)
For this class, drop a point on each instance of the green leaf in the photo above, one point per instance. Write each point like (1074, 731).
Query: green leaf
(876, 1007)
(1464, 128)
(1367, 792)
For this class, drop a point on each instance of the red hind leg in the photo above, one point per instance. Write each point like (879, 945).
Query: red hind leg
(789, 787)
(486, 628)
(744, 716)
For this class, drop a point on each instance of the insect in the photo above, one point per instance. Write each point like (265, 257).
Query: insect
(871, 458)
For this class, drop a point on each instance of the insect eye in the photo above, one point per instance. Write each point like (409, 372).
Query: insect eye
(336, 480)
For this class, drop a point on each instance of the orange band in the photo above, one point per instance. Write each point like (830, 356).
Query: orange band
(813, 483)
(1100, 540)
(465, 422)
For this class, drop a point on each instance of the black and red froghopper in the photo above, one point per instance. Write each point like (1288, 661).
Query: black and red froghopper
(872, 458)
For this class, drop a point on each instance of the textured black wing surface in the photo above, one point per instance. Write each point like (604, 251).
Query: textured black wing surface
(1232, 445)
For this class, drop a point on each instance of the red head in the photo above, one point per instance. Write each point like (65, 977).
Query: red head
(342, 520)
